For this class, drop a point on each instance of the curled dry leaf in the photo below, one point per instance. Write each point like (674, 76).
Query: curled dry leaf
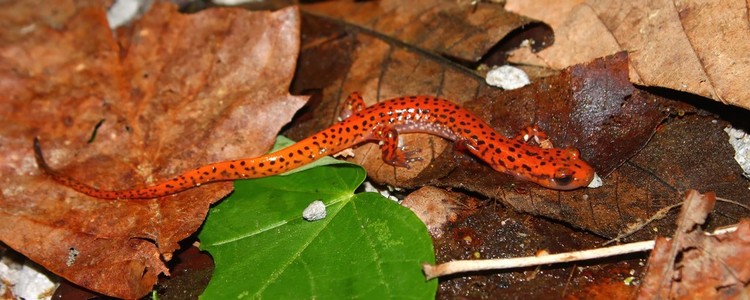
(172, 92)
(693, 265)
(698, 47)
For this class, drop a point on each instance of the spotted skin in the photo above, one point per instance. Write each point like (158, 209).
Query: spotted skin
(560, 169)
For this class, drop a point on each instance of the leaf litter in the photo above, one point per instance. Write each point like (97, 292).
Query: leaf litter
(619, 127)
(381, 68)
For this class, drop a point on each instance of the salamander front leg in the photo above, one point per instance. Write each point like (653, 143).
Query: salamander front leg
(392, 153)
(353, 104)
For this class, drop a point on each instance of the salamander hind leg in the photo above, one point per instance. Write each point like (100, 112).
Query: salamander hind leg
(353, 104)
(533, 133)
(392, 153)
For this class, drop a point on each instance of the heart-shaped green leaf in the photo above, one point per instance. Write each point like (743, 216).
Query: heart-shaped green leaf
(366, 247)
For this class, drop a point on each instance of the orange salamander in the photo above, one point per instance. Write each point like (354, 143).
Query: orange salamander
(560, 169)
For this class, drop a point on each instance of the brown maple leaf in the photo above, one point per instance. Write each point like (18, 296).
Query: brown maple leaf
(171, 92)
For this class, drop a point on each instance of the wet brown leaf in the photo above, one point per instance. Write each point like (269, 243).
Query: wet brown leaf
(693, 265)
(693, 46)
(175, 92)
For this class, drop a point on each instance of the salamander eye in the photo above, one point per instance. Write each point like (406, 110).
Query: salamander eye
(563, 177)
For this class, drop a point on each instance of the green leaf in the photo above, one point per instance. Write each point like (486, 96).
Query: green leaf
(367, 246)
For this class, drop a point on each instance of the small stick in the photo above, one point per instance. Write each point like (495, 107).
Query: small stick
(461, 266)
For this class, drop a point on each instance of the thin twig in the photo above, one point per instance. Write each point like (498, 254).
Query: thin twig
(461, 266)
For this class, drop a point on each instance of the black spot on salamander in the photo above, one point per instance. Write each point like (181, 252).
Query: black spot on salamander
(261, 165)
(273, 162)
(511, 149)
(497, 150)
(451, 119)
(511, 158)
(526, 167)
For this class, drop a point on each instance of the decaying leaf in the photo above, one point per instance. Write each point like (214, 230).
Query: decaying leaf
(693, 46)
(172, 92)
(693, 265)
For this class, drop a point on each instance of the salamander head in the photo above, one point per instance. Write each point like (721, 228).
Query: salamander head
(568, 172)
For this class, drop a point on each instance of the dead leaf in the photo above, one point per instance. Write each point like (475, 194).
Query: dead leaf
(693, 265)
(175, 92)
(450, 28)
(698, 47)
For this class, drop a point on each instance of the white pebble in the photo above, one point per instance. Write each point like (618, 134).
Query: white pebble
(507, 77)
(315, 211)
